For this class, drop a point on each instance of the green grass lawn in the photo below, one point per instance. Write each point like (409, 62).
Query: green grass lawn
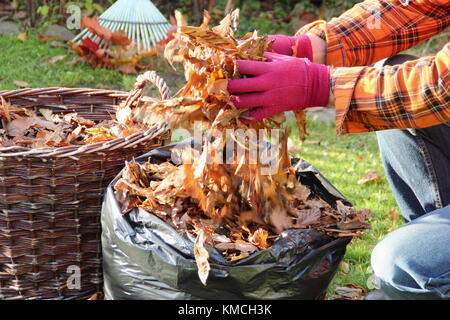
(24, 61)
(343, 160)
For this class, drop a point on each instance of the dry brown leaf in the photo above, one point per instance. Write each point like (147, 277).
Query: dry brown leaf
(58, 44)
(22, 36)
(355, 221)
(208, 37)
(300, 116)
(45, 38)
(280, 220)
(90, 51)
(225, 246)
(47, 114)
(369, 177)
(5, 109)
(18, 127)
(127, 69)
(309, 217)
(345, 267)
(21, 84)
(259, 238)
(219, 87)
(349, 292)
(243, 246)
(242, 255)
(393, 215)
(119, 37)
(54, 59)
(75, 61)
(317, 203)
(180, 19)
(201, 257)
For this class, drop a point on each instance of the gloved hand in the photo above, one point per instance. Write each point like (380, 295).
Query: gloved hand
(281, 84)
(285, 45)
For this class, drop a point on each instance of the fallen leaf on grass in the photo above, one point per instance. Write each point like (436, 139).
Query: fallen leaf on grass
(127, 69)
(22, 36)
(393, 215)
(90, 51)
(349, 292)
(45, 38)
(54, 59)
(75, 61)
(345, 267)
(369, 177)
(315, 142)
(57, 44)
(21, 84)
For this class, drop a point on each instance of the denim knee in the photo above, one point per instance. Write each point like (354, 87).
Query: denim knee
(413, 262)
(392, 276)
(387, 266)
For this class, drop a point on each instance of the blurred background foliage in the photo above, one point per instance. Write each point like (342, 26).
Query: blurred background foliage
(283, 16)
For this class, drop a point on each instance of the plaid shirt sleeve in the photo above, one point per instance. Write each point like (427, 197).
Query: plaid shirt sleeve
(413, 95)
(378, 29)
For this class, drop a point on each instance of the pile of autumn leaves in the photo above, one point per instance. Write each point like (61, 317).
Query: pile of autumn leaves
(232, 207)
(122, 53)
(44, 128)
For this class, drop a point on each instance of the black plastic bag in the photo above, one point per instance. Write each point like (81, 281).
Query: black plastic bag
(145, 258)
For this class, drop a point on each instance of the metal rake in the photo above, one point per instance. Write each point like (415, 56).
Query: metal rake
(140, 19)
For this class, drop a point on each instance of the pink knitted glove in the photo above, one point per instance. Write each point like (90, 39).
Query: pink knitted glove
(281, 84)
(285, 45)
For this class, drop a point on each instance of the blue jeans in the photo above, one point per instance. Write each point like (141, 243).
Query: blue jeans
(413, 262)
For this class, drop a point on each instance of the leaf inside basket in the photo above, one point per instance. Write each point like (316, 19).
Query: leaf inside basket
(46, 129)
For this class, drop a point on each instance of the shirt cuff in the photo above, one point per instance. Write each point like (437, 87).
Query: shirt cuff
(343, 82)
(336, 52)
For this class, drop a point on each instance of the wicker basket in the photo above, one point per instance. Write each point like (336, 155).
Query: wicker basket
(50, 202)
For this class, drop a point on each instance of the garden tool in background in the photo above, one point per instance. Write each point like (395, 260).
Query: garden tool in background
(140, 19)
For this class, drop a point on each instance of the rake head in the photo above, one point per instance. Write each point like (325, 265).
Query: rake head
(140, 19)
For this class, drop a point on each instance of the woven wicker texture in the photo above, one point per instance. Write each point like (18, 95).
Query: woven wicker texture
(50, 199)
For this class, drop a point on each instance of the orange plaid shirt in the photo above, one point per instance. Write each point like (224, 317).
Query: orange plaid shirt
(415, 94)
